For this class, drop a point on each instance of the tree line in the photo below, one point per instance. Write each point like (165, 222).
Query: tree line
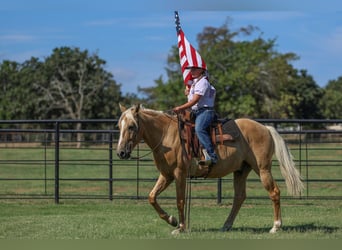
(251, 77)
(69, 84)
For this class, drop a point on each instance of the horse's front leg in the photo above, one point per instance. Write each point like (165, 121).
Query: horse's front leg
(161, 184)
(180, 177)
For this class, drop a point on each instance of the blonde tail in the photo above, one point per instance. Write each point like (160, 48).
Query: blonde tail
(288, 170)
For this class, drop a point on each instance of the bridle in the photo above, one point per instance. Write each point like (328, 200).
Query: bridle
(158, 144)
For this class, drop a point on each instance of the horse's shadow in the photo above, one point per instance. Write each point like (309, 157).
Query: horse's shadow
(304, 228)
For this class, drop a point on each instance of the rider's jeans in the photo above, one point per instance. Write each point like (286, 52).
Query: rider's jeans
(204, 117)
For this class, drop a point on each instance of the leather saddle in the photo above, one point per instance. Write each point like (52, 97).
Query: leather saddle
(221, 131)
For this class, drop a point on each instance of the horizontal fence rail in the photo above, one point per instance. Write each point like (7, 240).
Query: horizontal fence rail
(76, 159)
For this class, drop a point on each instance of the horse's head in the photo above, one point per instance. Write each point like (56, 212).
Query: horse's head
(129, 131)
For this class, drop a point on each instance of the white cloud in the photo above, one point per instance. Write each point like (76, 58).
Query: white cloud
(104, 22)
(22, 56)
(267, 15)
(333, 42)
(157, 20)
(152, 23)
(123, 75)
(17, 38)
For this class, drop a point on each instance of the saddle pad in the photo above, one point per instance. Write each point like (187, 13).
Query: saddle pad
(230, 127)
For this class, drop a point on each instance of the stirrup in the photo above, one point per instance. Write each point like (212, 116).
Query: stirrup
(205, 162)
(207, 159)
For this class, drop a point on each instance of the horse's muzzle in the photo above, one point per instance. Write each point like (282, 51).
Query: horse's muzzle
(123, 155)
(123, 151)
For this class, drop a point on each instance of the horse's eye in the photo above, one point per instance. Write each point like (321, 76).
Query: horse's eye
(131, 128)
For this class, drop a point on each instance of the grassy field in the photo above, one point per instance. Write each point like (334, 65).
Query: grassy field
(32, 173)
(137, 220)
(29, 171)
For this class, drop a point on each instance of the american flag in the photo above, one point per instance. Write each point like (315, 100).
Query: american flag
(188, 55)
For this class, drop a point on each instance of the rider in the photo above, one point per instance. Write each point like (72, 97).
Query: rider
(201, 99)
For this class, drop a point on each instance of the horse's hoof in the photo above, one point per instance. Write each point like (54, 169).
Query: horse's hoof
(178, 231)
(172, 221)
(274, 230)
(225, 228)
(276, 227)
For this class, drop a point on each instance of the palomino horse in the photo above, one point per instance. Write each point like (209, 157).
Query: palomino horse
(251, 151)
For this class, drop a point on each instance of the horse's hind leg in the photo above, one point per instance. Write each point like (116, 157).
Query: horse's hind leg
(161, 184)
(240, 178)
(274, 193)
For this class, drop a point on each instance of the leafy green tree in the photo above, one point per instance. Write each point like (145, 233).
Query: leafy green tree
(331, 102)
(248, 75)
(69, 84)
(73, 83)
(18, 96)
(30, 74)
(8, 81)
(299, 97)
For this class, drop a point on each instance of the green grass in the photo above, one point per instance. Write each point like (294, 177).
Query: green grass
(138, 220)
(92, 162)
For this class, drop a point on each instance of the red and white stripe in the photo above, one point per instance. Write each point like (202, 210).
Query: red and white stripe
(188, 57)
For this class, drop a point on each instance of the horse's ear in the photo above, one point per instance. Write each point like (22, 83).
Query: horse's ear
(137, 108)
(122, 107)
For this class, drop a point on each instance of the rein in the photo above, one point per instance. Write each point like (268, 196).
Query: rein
(155, 147)
(188, 178)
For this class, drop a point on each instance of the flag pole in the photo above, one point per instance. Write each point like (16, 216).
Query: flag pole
(188, 179)
(177, 22)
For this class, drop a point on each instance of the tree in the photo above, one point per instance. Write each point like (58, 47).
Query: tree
(248, 75)
(17, 82)
(69, 84)
(9, 72)
(298, 98)
(331, 102)
(74, 84)
(71, 79)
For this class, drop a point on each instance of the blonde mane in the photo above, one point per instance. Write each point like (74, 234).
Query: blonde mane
(157, 112)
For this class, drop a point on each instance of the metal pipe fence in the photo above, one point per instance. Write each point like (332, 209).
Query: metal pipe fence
(50, 159)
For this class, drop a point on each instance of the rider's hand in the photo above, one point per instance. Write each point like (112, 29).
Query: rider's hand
(177, 109)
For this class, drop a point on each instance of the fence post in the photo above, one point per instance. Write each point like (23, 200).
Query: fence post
(138, 168)
(57, 162)
(219, 191)
(306, 165)
(110, 166)
(45, 164)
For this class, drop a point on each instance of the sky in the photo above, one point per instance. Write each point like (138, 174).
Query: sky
(134, 37)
